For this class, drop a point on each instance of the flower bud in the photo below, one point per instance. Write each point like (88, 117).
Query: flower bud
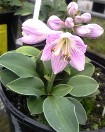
(78, 19)
(82, 31)
(95, 30)
(34, 31)
(55, 23)
(86, 17)
(89, 31)
(69, 22)
(72, 8)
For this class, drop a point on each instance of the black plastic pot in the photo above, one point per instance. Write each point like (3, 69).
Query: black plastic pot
(21, 123)
(10, 21)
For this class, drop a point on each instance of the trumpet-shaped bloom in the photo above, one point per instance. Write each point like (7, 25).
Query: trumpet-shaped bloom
(63, 48)
(72, 8)
(69, 22)
(34, 31)
(89, 30)
(55, 23)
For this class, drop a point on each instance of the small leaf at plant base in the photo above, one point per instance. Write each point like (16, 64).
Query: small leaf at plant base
(27, 86)
(48, 78)
(28, 50)
(60, 114)
(61, 90)
(82, 85)
(20, 64)
(80, 111)
(35, 105)
(7, 76)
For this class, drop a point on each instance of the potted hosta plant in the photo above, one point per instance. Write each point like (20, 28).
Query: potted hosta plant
(50, 84)
(10, 10)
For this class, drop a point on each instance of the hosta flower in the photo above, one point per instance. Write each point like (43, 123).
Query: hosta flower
(63, 48)
(89, 30)
(55, 23)
(72, 8)
(86, 17)
(69, 22)
(34, 31)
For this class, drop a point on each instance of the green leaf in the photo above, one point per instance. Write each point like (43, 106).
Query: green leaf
(20, 64)
(87, 60)
(88, 71)
(7, 76)
(61, 90)
(48, 68)
(82, 85)
(27, 9)
(28, 50)
(40, 68)
(35, 105)
(94, 94)
(48, 78)
(67, 69)
(14, 2)
(60, 114)
(80, 111)
(27, 86)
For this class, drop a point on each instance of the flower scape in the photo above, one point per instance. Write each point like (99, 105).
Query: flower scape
(57, 78)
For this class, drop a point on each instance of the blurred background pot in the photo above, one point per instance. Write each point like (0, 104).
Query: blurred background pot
(8, 31)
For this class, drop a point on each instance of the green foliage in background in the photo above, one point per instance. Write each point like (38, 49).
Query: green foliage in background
(24, 7)
(54, 7)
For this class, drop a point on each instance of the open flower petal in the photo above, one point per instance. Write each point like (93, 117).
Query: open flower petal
(50, 42)
(77, 54)
(58, 64)
(77, 60)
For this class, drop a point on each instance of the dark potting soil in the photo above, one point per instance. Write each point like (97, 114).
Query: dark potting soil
(94, 106)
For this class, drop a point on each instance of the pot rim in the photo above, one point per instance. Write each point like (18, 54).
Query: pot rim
(27, 120)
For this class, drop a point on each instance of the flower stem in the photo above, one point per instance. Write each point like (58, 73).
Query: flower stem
(37, 9)
(50, 83)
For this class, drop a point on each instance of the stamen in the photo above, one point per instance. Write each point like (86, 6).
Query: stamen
(66, 50)
(63, 46)
(66, 57)
(58, 47)
(52, 49)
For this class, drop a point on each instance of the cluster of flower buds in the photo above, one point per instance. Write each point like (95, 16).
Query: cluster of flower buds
(77, 22)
